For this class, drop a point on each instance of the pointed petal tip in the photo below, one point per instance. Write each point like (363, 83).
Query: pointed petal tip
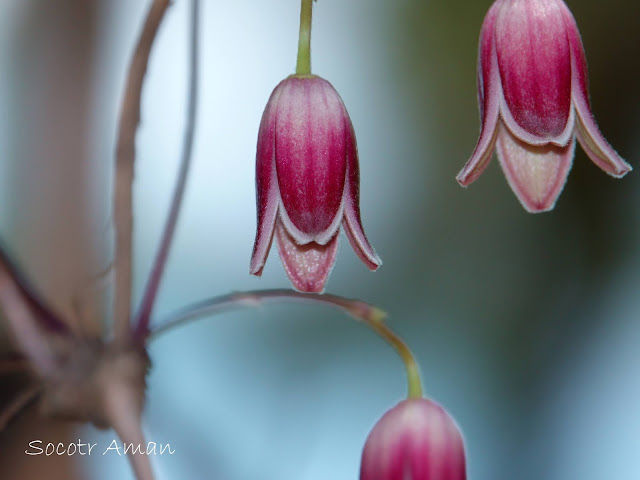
(262, 244)
(309, 287)
(536, 207)
(587, 131)
(307, 266)
(256, 265)
(358, 240)
(376, 263)
(256, 270)
(483, 152)
(464, 178)
(536, 174)
(596, 146)
(622, 170)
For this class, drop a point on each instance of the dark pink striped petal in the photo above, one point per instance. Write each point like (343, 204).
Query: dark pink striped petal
(589, 136)
(489, 94)
(268, 197)
(417, 440)
(310, 157)
(352, 222)
(535, 69)
(307, 266)
(536, 174)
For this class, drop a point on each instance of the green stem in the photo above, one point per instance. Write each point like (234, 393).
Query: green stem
(411, 366)
(370, 315)
(303, 66)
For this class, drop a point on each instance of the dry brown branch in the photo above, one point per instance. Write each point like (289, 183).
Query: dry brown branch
(27, 326)
(124, 168)
(153, 284)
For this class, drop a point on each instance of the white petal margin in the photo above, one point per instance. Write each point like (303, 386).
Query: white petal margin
(266, 222)
(267, 191)
(587, 131)
(536, 174)
(351, 207)
(561, 140)
(489, 95)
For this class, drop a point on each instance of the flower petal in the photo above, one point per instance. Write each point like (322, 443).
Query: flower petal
(535, 70)
(589, 136)
(307, 266)
(536, 174)
(417, 440)
(267, 192)
(352, 222)
(311, 157)
(489, 94)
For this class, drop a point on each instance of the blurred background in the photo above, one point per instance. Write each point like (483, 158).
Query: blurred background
(526, 326)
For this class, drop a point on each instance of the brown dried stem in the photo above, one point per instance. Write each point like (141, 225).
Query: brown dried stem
(146, 308)
(124, 169)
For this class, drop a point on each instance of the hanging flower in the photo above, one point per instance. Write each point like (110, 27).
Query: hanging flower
(416, 440)
(307, 182)
(534, 102)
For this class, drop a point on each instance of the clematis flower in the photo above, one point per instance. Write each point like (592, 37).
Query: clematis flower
(307, 182)
(417, 440)
(534, 101)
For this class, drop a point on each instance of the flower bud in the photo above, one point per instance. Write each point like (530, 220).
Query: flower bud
(307, 182)
(534, 102)
(415, 440)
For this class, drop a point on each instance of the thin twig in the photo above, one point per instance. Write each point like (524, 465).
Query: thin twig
(372, 316)
(31, 333)
(42, 312)
(124, 168)
(124, 414)
(153, 283)
(238, 300)
(17, 405)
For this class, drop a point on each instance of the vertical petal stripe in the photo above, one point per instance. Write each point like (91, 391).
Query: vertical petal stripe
(310, 154)
(535, 70)
(415, 440)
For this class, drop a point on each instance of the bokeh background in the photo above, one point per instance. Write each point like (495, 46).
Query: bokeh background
(526, 326)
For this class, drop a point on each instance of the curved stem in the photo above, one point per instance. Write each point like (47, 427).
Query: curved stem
(124, 168)
(153, 283)
(303, 65)
(414, 385)
(372, 316)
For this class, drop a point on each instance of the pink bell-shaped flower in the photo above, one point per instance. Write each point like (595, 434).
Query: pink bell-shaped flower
(533, 96)
(415, 440)
(307, 182)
